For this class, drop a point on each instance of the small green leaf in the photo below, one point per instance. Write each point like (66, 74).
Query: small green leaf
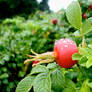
(71, 74)
(68, 82)
(77, 33)
(39, 69)
(4, 75)
(26, 84)
(6, 57)
(52, 65)
(69, 90)
(85, 87)
(83, 61)
(52, 91)
(70, 86)
(85, 51)
(58, 79)
(89, 84)
(90, 46)
(76, 56)
(74, 15)
(87, 26)
(89, 62)
(42, 83)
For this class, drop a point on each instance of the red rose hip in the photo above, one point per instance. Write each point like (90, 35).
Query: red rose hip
(90, 6)
(54, 21)
(84, 15)
(64, 49)
(34, 63)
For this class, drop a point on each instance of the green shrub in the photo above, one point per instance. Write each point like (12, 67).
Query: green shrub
(18, 36)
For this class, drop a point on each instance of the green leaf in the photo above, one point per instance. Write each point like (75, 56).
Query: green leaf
(83, 61)
(4, 75)
(77, 33)
(89, 84)
(85, 87)
(52, 91)
(42, 83)
(69, 90)
(39, 69)
(87, 26)
(26, 84)
(52, 65)
(68, 82)
(70, 86)
(76, 56)
(74, 15)
(71, 74)
(89, 62)
(58, 79)
(90, 46)
(85, 51)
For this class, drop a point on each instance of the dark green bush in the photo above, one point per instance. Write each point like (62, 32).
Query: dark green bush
(10, 8)
(18, 36)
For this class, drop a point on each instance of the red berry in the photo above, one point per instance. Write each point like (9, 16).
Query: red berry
(90, 6)
(34, 63)
(64, 49)
(54, 21)
(84, 15)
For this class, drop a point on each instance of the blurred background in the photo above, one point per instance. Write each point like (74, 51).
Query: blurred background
(32, 24)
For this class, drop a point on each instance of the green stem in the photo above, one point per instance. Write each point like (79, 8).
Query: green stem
(83, 39)
(83, 42)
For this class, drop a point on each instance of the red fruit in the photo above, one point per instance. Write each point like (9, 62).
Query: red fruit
(90, 6)
(54, 21)
(84, 15)
(64, 49)
(34, 63)
(62, 54)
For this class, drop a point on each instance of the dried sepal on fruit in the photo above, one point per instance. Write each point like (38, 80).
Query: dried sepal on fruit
(42, 58)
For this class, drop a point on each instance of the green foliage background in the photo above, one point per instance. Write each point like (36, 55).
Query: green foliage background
(18, 36)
